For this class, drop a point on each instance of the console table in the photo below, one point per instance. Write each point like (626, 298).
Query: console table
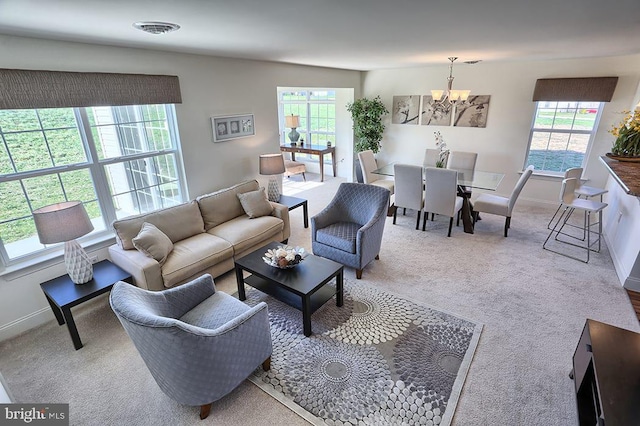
(606, 371)
(319, 150)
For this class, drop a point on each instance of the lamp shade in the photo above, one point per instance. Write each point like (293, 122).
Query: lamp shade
(271, 164)
(62, 222)
(292, 121)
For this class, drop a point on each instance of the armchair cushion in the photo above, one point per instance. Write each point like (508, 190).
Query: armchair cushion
(341, 235)
(255, 203)
(153, 242)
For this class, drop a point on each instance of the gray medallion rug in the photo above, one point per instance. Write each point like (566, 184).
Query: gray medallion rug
(378, 360)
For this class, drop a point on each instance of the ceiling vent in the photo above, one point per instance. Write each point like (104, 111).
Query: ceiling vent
(156, 27)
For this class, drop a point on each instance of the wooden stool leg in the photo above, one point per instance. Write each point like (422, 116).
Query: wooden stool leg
(358, 273)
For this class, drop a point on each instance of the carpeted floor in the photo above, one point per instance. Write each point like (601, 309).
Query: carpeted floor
(533, 305)
(378, 359)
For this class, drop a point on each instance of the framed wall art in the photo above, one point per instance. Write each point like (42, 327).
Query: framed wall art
(435, 113)
(232, 127)
(473, 113)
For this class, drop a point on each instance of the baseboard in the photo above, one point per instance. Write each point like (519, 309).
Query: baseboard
(620, 270)
(25, 323)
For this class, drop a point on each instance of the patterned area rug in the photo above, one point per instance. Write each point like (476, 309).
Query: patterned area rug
(377, 360)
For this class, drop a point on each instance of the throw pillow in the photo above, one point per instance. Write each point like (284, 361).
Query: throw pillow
(255, 203)
(153, 242)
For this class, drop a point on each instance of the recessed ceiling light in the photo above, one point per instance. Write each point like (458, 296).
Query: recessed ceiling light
(156, 27)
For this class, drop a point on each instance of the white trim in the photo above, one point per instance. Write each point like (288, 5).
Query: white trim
(618, 265)
(25, 323)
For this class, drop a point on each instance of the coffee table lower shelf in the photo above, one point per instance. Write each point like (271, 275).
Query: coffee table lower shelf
(317, 299)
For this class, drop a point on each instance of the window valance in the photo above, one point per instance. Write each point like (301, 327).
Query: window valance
(589, 89)
(24, 89)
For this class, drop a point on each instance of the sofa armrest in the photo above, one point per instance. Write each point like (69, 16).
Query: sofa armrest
(146, 272)
(282, 212)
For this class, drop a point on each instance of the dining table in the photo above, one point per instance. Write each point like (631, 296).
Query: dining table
(467, 178)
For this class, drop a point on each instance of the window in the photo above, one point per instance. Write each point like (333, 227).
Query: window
(118, 161)
(561, 134)
(317, 111)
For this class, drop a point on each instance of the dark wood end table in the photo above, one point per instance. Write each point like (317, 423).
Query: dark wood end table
(303, 287)
(295, 202)
(63, 294)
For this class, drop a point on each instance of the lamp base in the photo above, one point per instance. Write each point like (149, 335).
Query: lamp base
(79, 266)
(273, 191)
(294, 135)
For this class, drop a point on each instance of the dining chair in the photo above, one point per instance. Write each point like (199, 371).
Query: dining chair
(440, 195)
(582, 191)
(461, 160)
(571, 203)
(432, 156)
(368, 165)
(501, 206)
(408, 188)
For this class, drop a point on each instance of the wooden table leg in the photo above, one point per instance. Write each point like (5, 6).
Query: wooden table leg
(71, 325)
(333, 162)
(340, 288)
(321, 167)
(306, 315)
(240, 282)
(305, 214)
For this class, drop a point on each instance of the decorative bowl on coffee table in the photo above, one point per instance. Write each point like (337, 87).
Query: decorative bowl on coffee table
(284, 257)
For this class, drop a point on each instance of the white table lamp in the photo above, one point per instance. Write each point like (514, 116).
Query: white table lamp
(64, 222)
(272, 165)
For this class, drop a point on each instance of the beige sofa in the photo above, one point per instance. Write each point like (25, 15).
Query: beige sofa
(207, 234)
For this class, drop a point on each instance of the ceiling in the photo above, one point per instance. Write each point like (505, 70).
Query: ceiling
(350, 34)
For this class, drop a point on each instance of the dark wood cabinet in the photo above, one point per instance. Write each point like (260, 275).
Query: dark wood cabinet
(606, 372)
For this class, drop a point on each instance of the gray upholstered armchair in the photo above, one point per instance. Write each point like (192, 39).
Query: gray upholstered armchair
(349, 229)
(199, 344)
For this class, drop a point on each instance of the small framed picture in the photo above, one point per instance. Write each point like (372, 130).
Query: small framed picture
(232, 127)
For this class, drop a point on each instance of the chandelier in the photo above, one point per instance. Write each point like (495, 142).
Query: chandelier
(450, 95)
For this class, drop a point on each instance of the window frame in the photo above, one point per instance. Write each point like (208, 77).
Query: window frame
(97, 170)
(592, 134)
(307, 103)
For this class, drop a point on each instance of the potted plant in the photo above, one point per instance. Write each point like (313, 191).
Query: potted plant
(367, 125)
(627, 133)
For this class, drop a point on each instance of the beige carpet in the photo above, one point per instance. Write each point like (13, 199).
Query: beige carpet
(532, 303)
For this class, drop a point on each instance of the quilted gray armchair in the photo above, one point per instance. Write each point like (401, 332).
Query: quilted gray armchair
(349, 230)
(198, 343)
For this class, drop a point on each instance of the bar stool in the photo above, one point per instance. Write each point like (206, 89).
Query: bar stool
(571, 203)
(583, 191)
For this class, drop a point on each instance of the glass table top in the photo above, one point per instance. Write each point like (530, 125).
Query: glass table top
(472, 178)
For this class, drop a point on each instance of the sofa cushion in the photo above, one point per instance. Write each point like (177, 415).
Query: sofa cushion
(244, 233)
(192, 255)
(177, 223)
(255, 203)
(224, 205)
(340, 235)
(153, 242)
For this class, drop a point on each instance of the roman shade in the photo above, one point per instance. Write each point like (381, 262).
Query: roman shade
(590, 89)
(25, 89)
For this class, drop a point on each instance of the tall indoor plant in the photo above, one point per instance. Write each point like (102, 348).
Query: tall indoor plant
(367, 122)
(367, 126)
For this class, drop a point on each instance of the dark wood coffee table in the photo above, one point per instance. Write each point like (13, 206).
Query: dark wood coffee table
(303, 287)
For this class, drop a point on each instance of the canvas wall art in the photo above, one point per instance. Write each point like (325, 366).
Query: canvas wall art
(473, 112)
(406, 109)
(435, 114)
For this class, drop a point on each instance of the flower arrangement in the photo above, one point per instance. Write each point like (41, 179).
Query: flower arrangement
(627, 133)
(284, 257)
(444, 151)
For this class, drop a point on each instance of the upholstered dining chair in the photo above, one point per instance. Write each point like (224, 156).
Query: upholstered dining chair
(368, 165)
(349, 229)
(432, 156)
(440, 195)
(502, 206)
(198, 343)
(461, 160)
(408, 188)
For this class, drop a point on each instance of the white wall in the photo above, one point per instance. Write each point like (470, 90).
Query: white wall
(502, 145)
(210, 86)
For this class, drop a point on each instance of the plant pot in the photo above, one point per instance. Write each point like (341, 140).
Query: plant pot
(623, 158)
